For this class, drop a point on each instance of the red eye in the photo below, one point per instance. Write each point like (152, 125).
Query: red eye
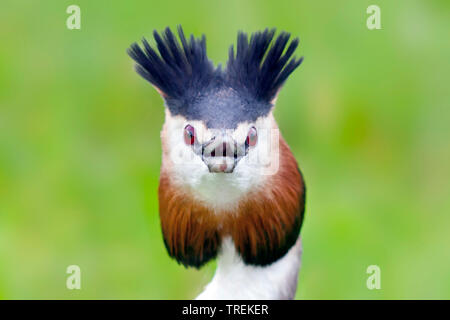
(189, 135)
(252, 137)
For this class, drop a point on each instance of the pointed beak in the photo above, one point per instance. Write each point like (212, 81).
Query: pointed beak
(221, 153)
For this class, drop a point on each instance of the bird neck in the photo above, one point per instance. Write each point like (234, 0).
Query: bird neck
(235, 280)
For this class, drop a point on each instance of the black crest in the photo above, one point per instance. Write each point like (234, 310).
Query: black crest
(259, 71)
(194, 88)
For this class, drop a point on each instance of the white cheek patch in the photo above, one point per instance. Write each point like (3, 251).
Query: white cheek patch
(185, 165)
(263, 158)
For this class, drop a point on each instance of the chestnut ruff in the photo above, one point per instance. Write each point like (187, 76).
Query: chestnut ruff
(265, 225)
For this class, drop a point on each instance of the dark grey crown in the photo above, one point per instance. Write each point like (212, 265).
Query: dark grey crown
(194, 88)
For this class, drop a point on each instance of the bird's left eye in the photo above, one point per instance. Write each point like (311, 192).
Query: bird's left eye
(252, 137)
(189, 135)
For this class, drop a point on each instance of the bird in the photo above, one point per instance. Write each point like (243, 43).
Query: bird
(230, 188)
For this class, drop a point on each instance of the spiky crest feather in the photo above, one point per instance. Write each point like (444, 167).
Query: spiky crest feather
(184, 73)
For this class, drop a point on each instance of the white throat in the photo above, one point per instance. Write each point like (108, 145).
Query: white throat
(235, 280)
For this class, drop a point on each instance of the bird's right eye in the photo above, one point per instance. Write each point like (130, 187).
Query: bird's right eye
(189, 135)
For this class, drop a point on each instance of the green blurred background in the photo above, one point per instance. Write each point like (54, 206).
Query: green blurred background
(367, 115)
